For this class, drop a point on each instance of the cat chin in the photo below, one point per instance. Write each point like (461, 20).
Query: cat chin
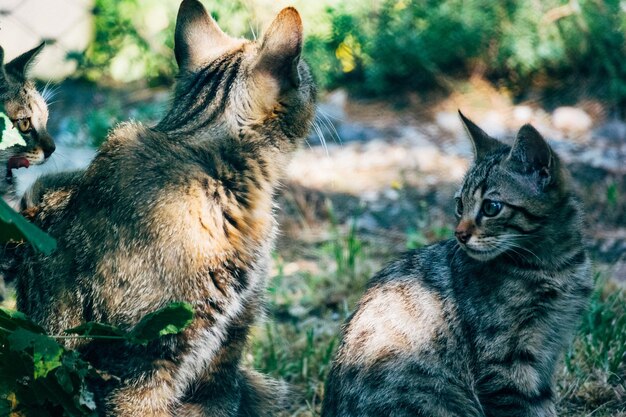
(481, 255)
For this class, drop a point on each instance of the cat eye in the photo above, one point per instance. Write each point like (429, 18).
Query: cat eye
(23, 125)
(491, 208)
(459, 206)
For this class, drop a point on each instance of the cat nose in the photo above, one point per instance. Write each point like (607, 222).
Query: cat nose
(462, 236)
(464, 231)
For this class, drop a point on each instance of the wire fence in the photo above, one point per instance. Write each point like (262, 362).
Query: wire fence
(65, 26)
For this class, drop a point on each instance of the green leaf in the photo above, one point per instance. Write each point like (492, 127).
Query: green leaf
(9, 136)
(97, 329)
(73, 361)
(86, 399)
(5, 407)
(12, 319)
(64, 379)
(171, 319)
(46, 351)
(40, 240)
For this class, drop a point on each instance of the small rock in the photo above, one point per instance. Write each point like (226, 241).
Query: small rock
(391, 194)
(571, 120)
(297, 310)
(366, 222)
(523, 114)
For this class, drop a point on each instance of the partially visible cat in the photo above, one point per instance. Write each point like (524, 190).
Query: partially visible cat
(28, 112)
(182, 211)
(27, 115)
(474, 327)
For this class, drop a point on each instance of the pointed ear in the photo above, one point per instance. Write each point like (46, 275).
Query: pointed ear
(483, 143)
(198, 38)
(532, 151)
(20, 65)
(280, 50)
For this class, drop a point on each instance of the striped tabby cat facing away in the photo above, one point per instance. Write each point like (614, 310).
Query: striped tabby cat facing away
(474, 326)
(180, 212)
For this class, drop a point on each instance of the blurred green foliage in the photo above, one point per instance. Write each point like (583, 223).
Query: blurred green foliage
(133, 39)
(412, 45)
(386, 46)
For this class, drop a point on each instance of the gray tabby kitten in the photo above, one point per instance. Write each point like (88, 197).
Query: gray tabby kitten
(182, 211)
(474, 326)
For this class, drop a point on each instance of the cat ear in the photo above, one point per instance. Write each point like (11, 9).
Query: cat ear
(198, 38)
(280, 50)
(532, 151)
(483, 143)
(20, 65)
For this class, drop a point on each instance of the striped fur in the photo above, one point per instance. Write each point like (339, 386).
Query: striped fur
(20, 99)
(182, 211)
(474, 326)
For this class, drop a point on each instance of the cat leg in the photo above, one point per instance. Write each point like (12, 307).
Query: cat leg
(515, 391)
(240, 393)
(52, 184)
(399, 388)
(261, 396)
(149, 393)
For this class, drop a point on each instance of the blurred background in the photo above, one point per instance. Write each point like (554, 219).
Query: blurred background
(387, 151)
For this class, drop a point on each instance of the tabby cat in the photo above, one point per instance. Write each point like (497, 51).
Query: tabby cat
(27, 112)
(182, 211)
(474, 326)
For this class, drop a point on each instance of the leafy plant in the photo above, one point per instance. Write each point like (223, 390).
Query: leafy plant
(16, 228)
(41, 377)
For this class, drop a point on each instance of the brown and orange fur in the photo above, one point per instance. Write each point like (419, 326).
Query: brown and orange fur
(182, 211)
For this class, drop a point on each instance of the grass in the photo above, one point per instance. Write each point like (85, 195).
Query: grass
(593, 378)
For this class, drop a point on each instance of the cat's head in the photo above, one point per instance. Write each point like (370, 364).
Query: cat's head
(511, 196)
(27, 115)
(248, 89)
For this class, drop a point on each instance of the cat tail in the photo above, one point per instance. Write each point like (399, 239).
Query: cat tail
(261, 396)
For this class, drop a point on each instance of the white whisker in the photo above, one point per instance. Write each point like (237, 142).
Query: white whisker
(320, 134)
(326, 118)
(511, 245)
